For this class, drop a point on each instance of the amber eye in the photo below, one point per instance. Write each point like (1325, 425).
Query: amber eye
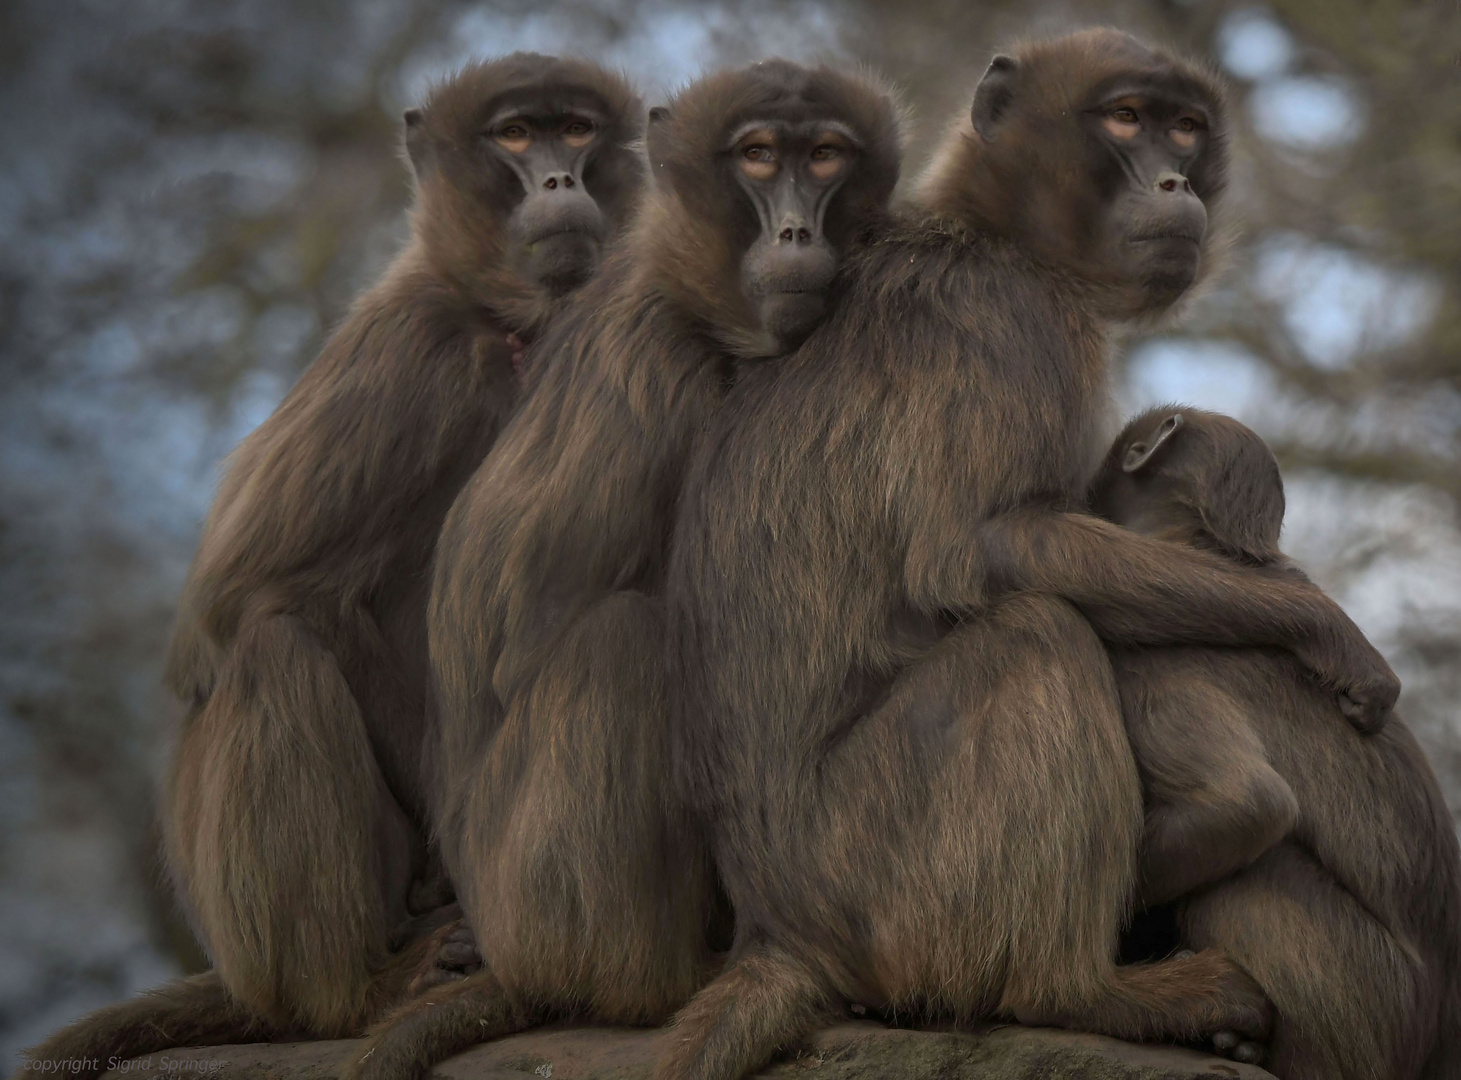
(513, 136)
(758, 161)
(578, 132)
(827, 161)
(1184, 133)
(1122, 122)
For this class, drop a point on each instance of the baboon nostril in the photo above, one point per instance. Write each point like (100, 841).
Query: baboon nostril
(568, 181)
(804, 234)
(1169, 185)
(786, 233)
(551, 184)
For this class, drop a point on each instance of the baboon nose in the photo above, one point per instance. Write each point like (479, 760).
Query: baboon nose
(1173, 181)
(794, 233)
(557, 180)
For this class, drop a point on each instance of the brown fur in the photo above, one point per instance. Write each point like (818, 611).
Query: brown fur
(295, 805)
(1352, 926)
(589, 896)
(918, 785)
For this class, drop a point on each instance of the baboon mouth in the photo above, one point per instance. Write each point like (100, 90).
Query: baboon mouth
(566, 230)
(1153, 238)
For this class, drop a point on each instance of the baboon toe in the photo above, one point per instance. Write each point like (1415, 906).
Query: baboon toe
(1235, 1047)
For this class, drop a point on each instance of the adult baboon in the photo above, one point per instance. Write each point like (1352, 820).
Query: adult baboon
(296, 802)
(588, 894)
(936, 819)
(1352, 925)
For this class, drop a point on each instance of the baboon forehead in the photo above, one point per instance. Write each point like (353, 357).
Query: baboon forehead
(701, 120)
(1092, 65)
(541, 85)
(1210, 440)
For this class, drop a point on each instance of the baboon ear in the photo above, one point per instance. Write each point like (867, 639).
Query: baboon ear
(994, 96)
(418, 145)
(659, 114)
(1141, 453)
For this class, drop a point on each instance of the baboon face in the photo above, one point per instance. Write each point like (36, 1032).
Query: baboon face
(1145, 136)
(1102, 156)
(789, 171)
(556, 226)
(771, 172)
(539, 148)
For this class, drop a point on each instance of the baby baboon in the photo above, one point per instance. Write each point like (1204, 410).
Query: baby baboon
(296, 803)
(893, 709)
(1352, 925)
(588, 893)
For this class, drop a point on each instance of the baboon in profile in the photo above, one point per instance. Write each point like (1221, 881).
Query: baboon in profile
(589, 895)
(296, 805)
(894, 709)
(1352, 924)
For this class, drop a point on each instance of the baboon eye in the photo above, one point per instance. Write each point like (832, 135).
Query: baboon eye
(1184, 133)
(514, 136)
(578, 132)
(1122, 122)
(758, 161)
(827, 160)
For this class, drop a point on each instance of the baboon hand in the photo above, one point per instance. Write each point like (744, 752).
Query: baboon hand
(451, 956)
(1366, 685)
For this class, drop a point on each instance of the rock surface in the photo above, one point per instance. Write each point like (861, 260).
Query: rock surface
(852, 1051)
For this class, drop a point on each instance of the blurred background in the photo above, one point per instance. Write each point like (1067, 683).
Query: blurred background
(195, 189)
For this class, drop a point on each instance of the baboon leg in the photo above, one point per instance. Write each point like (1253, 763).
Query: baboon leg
(1187, 997)
(196, 1011)
(1215, 802)
(575, 781)
(765, 1000)
(1032, 707)
(437, 1025)
(293, 856)
(1349, 997)
(1209, 834)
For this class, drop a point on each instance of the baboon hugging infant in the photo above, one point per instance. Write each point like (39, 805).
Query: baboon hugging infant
(779, 591)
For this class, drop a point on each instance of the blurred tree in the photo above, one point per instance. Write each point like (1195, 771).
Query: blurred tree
(196, 190)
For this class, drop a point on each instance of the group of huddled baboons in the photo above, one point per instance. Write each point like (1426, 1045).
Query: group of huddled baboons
(690, 589)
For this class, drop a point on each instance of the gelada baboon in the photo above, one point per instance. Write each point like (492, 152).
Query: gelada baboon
(295, 806)
(893, 710)
(588, 895)
(1352, 925)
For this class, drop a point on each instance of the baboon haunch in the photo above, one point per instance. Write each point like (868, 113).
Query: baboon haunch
(588, 895)
(915, 776)
(1352, 925)
(296, 803)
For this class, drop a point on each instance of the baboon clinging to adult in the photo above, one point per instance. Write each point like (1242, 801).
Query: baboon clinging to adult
(588, 894)
(1352, 924)
(296, 804)
(916, 776)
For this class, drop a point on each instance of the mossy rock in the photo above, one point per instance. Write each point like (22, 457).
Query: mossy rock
(853, 1051)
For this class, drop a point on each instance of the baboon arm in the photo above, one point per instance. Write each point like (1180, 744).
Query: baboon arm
(1136, 590)
(359, 441)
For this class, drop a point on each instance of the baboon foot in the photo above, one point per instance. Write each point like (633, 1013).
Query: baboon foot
(1235, 1047)
(451, 956)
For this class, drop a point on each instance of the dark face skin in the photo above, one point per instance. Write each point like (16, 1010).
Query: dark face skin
(1152, 231)
(1104, 157)
(790, 172)
(558, 227)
